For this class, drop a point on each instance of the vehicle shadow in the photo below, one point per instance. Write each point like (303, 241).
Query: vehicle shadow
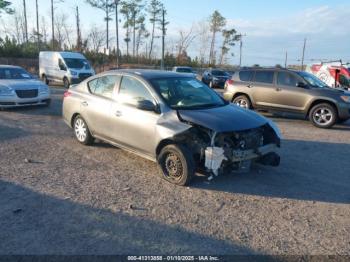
(314, 171)
(37, 224)
(7, 133)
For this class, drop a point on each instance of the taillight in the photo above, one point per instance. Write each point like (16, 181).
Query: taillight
(230, 82)
(66, 94)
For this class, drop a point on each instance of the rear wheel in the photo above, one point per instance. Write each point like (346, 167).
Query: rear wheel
(242, 101)
(66, 83)
(323, 115)
(82, 132)
(176, 164)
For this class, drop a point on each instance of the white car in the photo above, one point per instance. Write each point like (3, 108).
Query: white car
(20, 88)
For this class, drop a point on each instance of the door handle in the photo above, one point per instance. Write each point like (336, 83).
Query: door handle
(118, 113)
(84, 103)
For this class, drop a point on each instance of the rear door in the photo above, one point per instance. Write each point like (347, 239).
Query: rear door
(96, 106)
(263, 88)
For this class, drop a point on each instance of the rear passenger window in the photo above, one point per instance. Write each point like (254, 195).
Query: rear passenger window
(246, 75)
(103, 86)
(264, 77)
(286, 79)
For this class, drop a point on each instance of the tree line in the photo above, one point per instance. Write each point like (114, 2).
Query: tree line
(143, 24)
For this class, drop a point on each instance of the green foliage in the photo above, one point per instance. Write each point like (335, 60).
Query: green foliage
(217, 22)
(5, 6)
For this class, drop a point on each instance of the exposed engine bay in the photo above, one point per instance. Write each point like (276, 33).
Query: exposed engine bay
(220, 152)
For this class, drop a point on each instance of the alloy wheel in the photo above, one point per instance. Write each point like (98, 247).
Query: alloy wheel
(80, 130)
(323, 116)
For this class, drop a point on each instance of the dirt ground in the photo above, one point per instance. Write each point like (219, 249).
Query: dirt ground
(60, 197)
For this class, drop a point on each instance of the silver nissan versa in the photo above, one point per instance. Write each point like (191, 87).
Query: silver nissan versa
(172, 119)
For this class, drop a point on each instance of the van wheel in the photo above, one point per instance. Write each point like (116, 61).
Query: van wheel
(66, 83)
(45, 80)
(176, 164)
(323, 115)
(242, 101)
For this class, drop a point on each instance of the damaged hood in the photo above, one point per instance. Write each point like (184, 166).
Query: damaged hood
(224, 119)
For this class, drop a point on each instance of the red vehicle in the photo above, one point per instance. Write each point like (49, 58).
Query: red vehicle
(334, 74)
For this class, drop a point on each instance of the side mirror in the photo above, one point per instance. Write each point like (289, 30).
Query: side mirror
(301, 85)
(146, 105)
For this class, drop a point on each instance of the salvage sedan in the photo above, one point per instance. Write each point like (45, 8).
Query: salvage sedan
(172, 119)
(20, 88)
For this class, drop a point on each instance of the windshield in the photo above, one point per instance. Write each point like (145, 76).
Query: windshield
(187, 93)
(218, 73)
(76, 63)
(184, 70)
(312, 80)
(14, 73)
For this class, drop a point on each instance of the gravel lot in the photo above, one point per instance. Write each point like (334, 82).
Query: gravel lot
(59, 197)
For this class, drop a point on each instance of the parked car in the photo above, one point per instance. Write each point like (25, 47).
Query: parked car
(20, 88)
(172, 119)
(289, 91)
(215, 78)
(184, 70)
(64, 67)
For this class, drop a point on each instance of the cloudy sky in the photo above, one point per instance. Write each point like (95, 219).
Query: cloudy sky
(272, 27)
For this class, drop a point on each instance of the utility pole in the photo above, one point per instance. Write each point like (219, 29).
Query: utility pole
(52, 26)
(25, 20)
(302, 58)
(37, 24)
(286, 60)
(163, 39)
(117, 29)
(79, 41)
(240, 48)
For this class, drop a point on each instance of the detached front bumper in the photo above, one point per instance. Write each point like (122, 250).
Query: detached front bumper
(15, 101)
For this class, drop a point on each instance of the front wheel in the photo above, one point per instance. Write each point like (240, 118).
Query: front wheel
(242, 101)
(82, 132)
(323, 115)
(66, 83)
(176, 164)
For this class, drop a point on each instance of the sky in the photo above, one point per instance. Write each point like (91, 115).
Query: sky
(271, 27)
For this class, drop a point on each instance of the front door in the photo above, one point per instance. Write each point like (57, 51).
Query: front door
(133, 127)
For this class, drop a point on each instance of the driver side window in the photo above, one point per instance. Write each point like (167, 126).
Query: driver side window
(132, 91)
(61, 65)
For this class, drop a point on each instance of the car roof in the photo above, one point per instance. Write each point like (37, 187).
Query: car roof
(150, 74)
(9, 66)
(268, 68)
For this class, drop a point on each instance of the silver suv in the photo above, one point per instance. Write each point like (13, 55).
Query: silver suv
(290, 91)
(172, 119)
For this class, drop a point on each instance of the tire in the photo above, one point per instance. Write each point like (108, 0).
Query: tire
(323, 115)
(45, 80)
(66, 83)
(82, 132)
(176, 164)
(242, 101)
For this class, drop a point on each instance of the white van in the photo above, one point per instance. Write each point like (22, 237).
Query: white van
(64, 67)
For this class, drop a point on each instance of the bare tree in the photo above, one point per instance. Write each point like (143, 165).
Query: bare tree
(217, 22)
(185, 40)
(97, 38)
(53, 21)
(107, 6)
(142, 34)
(203, 32)
(63, 31)
(155, 12)
(25, 20)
